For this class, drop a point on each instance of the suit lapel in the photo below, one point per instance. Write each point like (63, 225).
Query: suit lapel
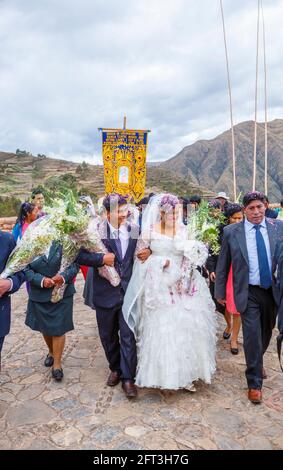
(271, 235)
(241, 237)
(53, 251)
(44, 259)
(129, 248)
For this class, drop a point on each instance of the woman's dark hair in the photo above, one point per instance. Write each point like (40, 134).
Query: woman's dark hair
(143, 201)
(35, 192)
(111, 201)
(195, 199)
(25, 209)
(281, 203)
(215, 204)
(232, 209)
(184, 201)
(253, 196)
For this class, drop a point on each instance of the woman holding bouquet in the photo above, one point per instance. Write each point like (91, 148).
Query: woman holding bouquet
(52, 320)
(168, 305)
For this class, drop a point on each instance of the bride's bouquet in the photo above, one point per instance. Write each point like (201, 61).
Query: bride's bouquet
(195, 254)
(69, 224)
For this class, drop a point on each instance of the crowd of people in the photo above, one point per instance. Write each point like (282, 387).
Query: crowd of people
(158, 326)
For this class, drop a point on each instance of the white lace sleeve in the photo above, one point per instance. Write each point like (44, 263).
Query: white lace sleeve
(143, 242)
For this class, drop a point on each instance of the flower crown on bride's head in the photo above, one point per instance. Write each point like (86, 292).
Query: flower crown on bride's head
(168, 202)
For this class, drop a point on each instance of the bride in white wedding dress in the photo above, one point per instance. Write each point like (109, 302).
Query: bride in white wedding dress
(168, 304)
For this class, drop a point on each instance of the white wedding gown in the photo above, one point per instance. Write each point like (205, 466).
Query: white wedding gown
(172, 315)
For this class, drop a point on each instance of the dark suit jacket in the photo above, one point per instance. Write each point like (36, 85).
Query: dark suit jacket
(49, 267)
(234, 250)
(271, 214)
(7, 244)
(211, 262)
(278, 269)
(104, 294)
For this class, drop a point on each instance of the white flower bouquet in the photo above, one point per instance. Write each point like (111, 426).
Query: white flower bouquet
(35, 243)
(67, 223)
(196, 252)
(194, 255)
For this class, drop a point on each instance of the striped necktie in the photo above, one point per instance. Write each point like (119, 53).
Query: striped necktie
(118, 243)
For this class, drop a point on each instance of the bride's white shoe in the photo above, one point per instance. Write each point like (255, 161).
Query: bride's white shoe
(191, 388)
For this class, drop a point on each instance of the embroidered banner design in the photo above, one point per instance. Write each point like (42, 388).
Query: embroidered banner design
(124, 160)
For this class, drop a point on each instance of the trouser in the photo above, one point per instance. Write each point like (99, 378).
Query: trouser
(1, 345)
(1, 342)
(118, 341)
(258, 321)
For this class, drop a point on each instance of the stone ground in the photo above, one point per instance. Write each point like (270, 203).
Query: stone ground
(83, 413)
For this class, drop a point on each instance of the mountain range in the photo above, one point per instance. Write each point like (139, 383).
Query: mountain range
(204, 168)
(209, 162)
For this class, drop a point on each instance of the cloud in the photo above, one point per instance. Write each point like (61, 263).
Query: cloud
(67, 68)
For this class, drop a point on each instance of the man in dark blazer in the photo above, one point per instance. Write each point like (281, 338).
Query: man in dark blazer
(7, 286)
(120, 239)
(250, 247)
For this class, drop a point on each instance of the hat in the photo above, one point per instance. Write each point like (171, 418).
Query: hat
(223, 195)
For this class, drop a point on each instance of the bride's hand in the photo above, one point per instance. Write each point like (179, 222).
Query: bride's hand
(142, 255)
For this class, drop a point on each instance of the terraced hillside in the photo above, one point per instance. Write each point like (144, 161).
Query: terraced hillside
(19, 174)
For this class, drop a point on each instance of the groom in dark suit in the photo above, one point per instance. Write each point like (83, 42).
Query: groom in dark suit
(120, 239)
(7, 286)
(250, 247)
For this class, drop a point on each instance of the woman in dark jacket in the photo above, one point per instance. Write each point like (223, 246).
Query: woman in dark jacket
(211, 265)
(52, 320)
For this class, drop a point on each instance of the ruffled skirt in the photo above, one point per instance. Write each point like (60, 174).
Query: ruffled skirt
(176, 333)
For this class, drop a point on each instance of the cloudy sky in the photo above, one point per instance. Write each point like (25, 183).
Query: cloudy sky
(68, 67)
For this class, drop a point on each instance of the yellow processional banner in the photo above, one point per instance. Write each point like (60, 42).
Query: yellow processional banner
(124, 160)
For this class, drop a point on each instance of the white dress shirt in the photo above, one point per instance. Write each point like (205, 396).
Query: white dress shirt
(254, 276)
(121, 233)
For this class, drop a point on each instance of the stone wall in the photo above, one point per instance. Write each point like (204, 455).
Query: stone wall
(7, 223)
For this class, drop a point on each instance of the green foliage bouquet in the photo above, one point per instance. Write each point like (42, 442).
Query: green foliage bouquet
(203, 225)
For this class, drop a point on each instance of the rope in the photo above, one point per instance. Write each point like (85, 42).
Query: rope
(231, 108)
(256, 86)
(265, 103)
